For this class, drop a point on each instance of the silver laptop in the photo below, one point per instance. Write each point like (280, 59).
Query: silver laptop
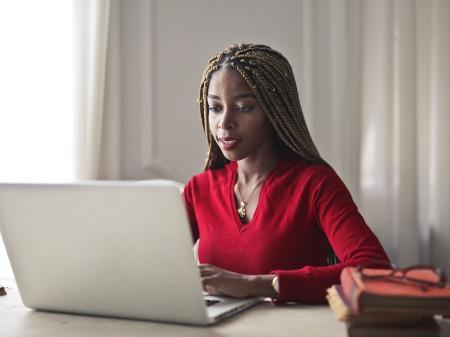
(118, 249)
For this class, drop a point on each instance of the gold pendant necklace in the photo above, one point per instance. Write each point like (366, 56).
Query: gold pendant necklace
(242, 209)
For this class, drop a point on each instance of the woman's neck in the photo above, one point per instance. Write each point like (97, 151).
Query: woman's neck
(255, 167)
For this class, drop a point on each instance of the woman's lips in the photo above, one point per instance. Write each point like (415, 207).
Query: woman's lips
(228, 144)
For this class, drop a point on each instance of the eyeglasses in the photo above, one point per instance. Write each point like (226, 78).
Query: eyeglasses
(413, 275)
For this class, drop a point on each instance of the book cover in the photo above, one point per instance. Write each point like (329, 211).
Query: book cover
(343, 312)
(389, 291)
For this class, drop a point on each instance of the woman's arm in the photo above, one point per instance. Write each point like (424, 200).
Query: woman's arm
(349, 236)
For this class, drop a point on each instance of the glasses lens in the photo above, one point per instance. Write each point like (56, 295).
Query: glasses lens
(426, 275)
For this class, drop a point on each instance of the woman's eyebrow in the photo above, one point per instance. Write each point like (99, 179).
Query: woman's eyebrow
(240, 96)
(244, 95)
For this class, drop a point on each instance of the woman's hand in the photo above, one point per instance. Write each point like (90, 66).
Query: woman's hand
(218, 281)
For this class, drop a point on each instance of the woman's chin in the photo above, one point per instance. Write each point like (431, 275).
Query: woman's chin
(232, 156)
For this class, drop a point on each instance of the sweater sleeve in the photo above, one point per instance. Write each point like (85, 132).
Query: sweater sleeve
(351, 239)
(189, 201)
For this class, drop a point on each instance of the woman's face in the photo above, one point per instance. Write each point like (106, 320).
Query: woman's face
(236, 119)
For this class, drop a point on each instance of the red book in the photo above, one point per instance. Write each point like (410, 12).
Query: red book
(417, 290)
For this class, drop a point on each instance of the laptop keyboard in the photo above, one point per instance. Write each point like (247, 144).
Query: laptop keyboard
(211, 302)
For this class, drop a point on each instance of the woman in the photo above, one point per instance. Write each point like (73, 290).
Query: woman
(268, 210)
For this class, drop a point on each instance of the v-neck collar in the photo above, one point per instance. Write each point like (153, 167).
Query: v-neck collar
(261, 199)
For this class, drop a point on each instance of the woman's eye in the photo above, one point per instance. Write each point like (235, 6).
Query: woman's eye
(244, 108)
(214, 108)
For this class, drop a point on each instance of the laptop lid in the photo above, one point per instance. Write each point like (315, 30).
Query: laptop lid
(120, 249)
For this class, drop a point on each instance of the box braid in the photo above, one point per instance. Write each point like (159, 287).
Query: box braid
(270, 77)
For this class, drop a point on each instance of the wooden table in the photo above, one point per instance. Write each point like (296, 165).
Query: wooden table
(264, 319)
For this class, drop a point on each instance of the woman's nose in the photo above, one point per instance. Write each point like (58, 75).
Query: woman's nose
(226, 122)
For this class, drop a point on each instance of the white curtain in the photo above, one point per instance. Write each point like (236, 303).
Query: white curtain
(405, 109)
(96, 81)
(381, 74)
(433, 137)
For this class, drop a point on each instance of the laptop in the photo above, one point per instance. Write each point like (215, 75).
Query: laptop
(116, 249)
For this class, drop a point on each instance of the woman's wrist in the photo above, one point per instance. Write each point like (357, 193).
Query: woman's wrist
(262, 286)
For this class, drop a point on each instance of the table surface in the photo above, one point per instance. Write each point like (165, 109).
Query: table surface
(265, 319)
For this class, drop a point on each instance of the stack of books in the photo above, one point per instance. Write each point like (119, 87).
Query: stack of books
(385, 302)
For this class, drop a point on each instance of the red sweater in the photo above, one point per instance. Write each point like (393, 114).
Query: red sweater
(304, 210)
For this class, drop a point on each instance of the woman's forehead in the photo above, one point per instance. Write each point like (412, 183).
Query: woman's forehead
(227, 79)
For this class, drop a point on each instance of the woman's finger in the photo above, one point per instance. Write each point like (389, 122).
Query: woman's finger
(205, 265)
(213, 290)
(208, 266)
(211, 280)
(207, 272)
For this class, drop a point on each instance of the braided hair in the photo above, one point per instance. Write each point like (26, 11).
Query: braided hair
(270, 77)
